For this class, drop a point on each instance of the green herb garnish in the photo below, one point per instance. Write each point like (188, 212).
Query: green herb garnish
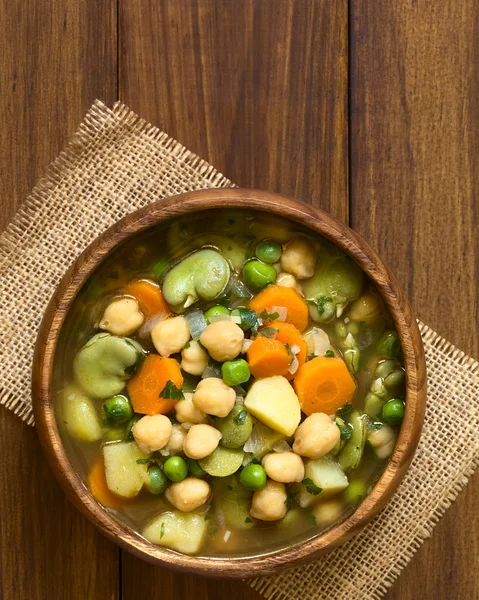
(187, 345)
(266, 316)
(345, 410)
(311, 487)
(329, 354)
(240, 417)
(268, 332)
(171, 392)
(319, 303)
(248, 520)
(207, 517)
(144, 461)
(288, 348)
(345, 431)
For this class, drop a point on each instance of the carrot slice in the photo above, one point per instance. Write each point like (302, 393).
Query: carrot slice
(268, 357)
(324, 385)
(276, 295)
(145, 387)
(149, 296)
(288, 334)
(98, 487)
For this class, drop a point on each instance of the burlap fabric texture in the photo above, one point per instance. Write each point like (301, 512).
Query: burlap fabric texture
(117, 163)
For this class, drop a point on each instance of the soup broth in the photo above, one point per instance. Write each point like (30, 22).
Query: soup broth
(300, 416)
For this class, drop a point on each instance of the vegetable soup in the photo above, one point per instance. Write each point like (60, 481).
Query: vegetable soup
(229, 383)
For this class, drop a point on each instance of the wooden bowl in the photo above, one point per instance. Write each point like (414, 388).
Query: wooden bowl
(317, 221)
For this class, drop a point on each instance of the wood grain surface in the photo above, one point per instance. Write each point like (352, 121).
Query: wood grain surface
(260, 89)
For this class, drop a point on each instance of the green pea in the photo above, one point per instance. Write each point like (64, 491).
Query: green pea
(235, 372)
(253, 477)
(194, 468)
(117, 410)
(248, 317)
(393, 411)
(257, 275)
(235, 428)
(388, 345)
(133, 421)
(269, 251)
(175, 468)
(355, 492)
(156, 482)
(215, 311)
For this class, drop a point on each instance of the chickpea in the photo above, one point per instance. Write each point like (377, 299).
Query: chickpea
(316, 436)
(299, 258)
(269, 504)
(223, 340)
(177, 440)
(285, 467)
(152, 433)
(122, 317)
(214, 397)
(194, 359)
(288, 280)
(169, 336)
(383, 441)
(201, 441)
(189, 494)
(327, 512)
(186, 411)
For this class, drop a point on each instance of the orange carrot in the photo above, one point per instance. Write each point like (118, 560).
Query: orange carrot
(145, 387)
(98, 487)
(276, 295)
(267, 357)
(324, 385)
(149, 296)
(288, 334)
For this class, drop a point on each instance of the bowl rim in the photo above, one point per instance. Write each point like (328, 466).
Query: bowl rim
(313, 219)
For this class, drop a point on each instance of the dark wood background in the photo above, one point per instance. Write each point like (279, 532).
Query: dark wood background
(367, 109)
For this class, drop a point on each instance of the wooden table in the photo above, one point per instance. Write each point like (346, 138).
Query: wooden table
(367, 109)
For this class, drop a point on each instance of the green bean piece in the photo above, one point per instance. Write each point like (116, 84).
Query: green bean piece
(384, 368)
(388, 345)
(269, 251)
(373, 405)
(117, 410)
(394, 379)
(202, 275)
(156, 482)
(257, 275)
(175, 468)
(216, 311)
(222, 462)
(393, 411)
(350, 456)
(235, 428)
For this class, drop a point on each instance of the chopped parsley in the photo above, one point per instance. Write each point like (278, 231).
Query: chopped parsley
(329, 354)
(187, 345)
(311, 518)
(230, 248)
(311, 356)
(345, 410)
(172, 418)
(290, 500)
(144, 461)
(320, 302)
(311, 487)
(207, 517)
(345, 430)
(288, 348)
(268, 332)
(171, 392)
(240, 417)
(266, 316)
(248, 520)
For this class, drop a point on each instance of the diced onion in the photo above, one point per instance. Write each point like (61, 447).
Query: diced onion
(282, 446)
(239, 389)
(238, 288)
(239, 400)
(164, 452)
(245, 347)
(210, 372)
(196, 322)
(293, 367)
(282, 312)
(226, 536)
(321, 341)
(295, 349)
(148, 325)
(248, 459)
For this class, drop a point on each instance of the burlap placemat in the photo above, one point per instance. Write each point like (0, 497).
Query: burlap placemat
(117, 163)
